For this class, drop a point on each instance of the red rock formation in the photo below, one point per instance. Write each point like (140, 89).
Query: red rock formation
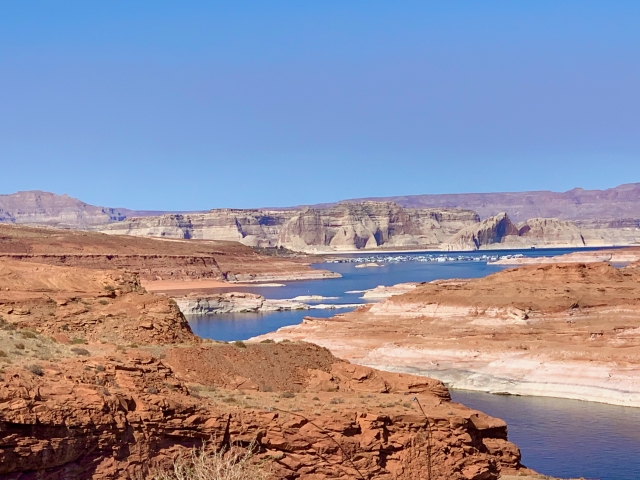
(105, 411)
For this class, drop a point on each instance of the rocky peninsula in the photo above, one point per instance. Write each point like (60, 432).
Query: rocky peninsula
(568, 330)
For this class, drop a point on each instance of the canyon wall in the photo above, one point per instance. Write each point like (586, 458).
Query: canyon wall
(346, 226)
(379, 225)
(577, 218)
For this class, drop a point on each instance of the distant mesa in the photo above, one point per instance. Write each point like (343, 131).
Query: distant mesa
(577, 218)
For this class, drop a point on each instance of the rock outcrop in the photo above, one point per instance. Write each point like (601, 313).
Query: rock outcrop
(491, 231)
(154, 260)
(343, 227)
(101, 380)
(234, 302)
(602, 219)
(381, 225)
(44, 208)
(566, 330)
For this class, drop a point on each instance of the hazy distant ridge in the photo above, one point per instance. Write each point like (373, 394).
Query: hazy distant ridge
(617, 203)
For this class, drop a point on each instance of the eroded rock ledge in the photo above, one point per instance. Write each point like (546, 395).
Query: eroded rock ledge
(102, 380)
(566, 330)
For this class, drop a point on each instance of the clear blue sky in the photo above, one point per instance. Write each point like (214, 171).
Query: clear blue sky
(196, 105)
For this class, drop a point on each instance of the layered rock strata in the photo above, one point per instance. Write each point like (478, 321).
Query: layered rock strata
(155, 260)
(617, 257)
(241, 302)
(565, 330)
(343, 227)
(369, 226)
(79, 399)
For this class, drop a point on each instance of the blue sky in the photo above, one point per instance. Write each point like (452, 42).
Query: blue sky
(197, 105)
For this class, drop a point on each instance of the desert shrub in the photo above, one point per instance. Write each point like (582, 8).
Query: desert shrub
(4, 325)
(99, 368)
(266, 388)
(81, 351)
(65, 327)
(240, 344)
(109, 288)
(152, 390)
(36, 370)
(103, 301)
(78, 341)
(19, 346)
(133, 345)
(207, 464)
(336, 400)
(27, 334)
(268, 340)
(3, 353)
(316, 399)
(287, 395)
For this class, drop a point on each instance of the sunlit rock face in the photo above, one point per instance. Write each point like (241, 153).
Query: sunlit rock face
(348, 226)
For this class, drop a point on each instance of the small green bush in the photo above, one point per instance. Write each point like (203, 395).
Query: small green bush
(240, 344)
(268, 340)
(27, 334)
(103, 301)
(78, 341)
(287, 395)
(3, 353)
(20, 346)
(336, 401)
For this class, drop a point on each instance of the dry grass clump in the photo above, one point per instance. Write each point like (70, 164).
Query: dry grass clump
(205, 464)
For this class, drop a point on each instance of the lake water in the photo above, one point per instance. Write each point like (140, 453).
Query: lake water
(562, 438)
(567, 438)
(243, 326)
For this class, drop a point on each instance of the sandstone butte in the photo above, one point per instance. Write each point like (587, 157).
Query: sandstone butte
(102, 379)
(567, 330)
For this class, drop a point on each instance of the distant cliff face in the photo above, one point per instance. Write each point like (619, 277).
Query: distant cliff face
(343, 227)
(367, 225)
(43, 208)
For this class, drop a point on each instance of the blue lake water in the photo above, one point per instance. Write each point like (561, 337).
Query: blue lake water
(557, 437)
(243, 326)
(567, 438)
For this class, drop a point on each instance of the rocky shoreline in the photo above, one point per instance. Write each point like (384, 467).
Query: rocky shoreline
(563, 330)
(241, 302)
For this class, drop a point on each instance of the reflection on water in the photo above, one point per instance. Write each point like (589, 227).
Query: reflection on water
(567, 438)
